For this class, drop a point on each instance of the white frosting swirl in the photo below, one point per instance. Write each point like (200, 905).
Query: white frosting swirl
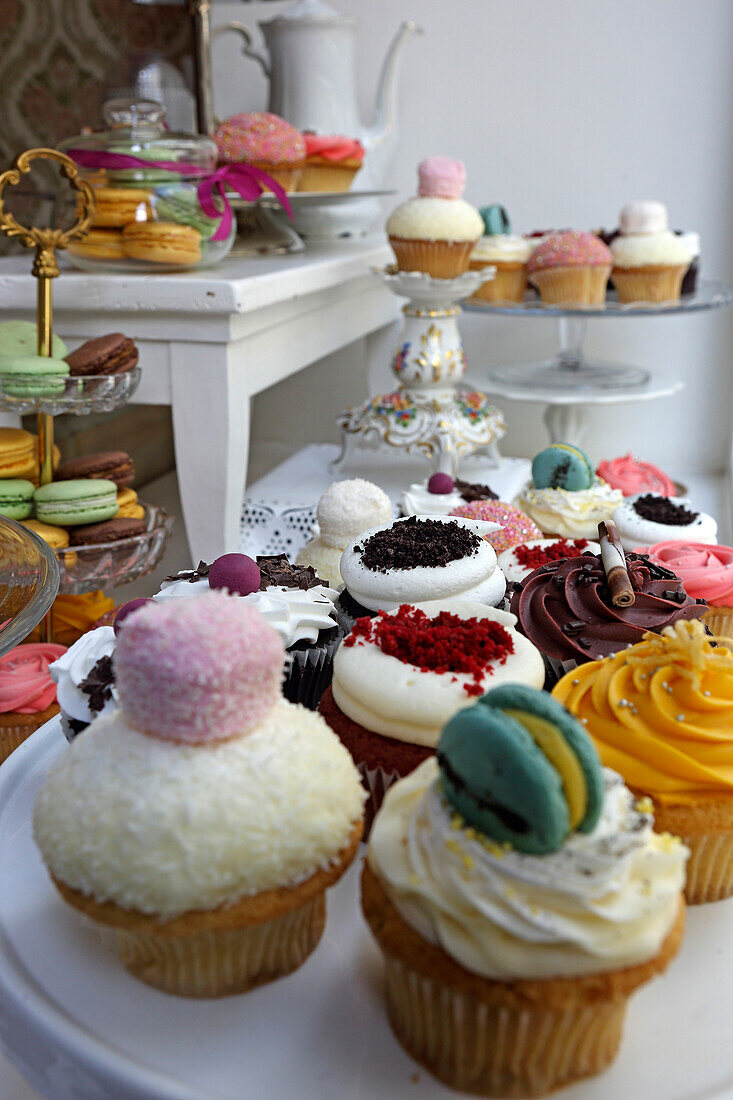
(607, 899)
(475, 577)
(74, 667)
(572, 515)
(434, 219)
(503, 248)
(413, 705)
(635, 531)
(161, 827)
(297, 614)
(419, 501)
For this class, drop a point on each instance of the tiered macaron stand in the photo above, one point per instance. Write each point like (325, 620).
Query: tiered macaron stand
(569, 383)
(101, 565)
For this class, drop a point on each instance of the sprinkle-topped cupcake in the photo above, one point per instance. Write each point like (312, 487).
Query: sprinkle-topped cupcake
(436, 231)
(262, 140)
(204, 820)
(516, 526)
(570, 268)
(519, 895)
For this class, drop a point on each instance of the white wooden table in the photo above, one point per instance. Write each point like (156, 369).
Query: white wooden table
(210, 340)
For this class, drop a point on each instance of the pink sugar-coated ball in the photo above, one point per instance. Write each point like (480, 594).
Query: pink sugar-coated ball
(198, 670)
(441, 484)
(237, 573)
(126, 609)
(259, 137)
(569, 249)
(516, 526)
(441, 177)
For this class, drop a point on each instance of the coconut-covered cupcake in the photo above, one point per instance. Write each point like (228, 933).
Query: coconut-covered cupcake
(436, 231)
(521, 560)
(345, 510)
(570, 268)
(292, 598)
(417, 560)
(440, 494)
(661, 713)
(649, 260)
(519, 895)
(204, 820)
(565, 497)
(650, 517)
(27, 692)
(400, 676)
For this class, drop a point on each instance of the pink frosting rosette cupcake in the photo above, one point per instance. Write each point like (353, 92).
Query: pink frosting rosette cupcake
(265, 141)
(330, 162)
(571, 268)
(632, 476)
(707, 574)
(27, 692)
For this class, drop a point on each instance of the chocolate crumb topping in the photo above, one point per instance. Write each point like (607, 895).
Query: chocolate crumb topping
(191, 575)
(98, 684)
(663, 510)
(277, 571)
(472, 491)
(413, 543)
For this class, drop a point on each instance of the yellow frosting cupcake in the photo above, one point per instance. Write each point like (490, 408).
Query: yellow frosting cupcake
(661, 714)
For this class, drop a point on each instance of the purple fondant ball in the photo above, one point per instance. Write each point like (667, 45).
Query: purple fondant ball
(237, 573)
(127, 609)
(440, 484)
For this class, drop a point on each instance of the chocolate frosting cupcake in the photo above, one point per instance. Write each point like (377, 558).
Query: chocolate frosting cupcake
(565, 609)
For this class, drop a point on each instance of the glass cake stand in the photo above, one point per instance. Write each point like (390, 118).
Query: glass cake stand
(29, 581)
(109, 564)
(569, 370)
(92, 393)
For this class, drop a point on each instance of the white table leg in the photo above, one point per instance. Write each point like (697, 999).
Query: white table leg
(210, 407)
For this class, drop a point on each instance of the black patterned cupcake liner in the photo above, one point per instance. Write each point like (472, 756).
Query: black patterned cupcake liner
(309, 670)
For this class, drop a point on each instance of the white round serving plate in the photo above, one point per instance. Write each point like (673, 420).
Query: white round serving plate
(80, 1028)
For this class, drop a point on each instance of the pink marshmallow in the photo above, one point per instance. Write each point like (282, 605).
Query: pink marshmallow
(441, 178)
(197, 670)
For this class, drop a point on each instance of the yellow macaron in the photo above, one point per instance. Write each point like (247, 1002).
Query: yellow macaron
(162, 242)
(99, 244)
(127, 505)
(56, 537)
(18, 452)
(118, 206)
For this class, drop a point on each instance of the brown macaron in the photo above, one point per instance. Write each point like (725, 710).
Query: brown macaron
(110, 530)
(116, 466)
(112, 354)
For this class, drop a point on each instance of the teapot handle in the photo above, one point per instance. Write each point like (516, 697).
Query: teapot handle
(248, 49)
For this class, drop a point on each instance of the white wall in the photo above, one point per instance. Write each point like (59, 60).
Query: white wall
(563, 111)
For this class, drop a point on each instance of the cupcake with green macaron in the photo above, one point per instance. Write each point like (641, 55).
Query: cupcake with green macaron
(520, 896)
(506, 252)
(566, 498)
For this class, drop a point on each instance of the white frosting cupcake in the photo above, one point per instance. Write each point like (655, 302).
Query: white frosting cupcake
(72, 669)
(502, 248)
(435, 219)
(652, 249)
(571, 515)
(637, 530)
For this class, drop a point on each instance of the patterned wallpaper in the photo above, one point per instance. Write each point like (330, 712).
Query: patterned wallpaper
(60, 56)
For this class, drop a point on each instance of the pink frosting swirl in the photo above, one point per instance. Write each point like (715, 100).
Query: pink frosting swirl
(334, 148)
(26, 686)
(706, 571)
(259, 138)
(442, 178)
(632, 476)
(569, 249)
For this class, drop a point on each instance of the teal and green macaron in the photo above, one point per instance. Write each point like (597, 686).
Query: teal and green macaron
(496, 220)
(79, 500)
(21, 338)
(562, 466)
(521, 769)
(33, 375)
(16, 497)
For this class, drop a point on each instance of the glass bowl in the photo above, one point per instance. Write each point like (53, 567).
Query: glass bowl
(106, 565)
(29, 580)
(78, 395)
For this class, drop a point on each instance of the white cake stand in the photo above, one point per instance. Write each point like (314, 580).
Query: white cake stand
(430, 413)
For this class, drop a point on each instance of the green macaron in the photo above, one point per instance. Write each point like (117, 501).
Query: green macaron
(521, 769)
(33, 375)
(21, 338)
(16, 497)
(562, 466)
(77, 501)
(180, 204)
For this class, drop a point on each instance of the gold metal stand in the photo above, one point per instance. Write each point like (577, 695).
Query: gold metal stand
(45, 241)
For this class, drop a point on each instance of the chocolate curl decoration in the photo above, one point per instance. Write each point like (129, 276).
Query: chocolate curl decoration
(614, 563)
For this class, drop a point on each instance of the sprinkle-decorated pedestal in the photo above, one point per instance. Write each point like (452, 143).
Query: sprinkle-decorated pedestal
(429, 413)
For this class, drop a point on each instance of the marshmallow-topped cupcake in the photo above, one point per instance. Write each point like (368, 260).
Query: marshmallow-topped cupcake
(413, 560)
(436, 231)
(649, 260)
(204, 820)
(345, 510)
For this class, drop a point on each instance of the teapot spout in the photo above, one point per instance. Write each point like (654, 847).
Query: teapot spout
(384, 107)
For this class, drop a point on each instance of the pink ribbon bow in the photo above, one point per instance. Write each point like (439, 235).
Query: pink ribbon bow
(248, 182)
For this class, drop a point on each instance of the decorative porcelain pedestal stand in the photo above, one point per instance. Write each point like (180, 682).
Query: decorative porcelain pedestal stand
(429, 413)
